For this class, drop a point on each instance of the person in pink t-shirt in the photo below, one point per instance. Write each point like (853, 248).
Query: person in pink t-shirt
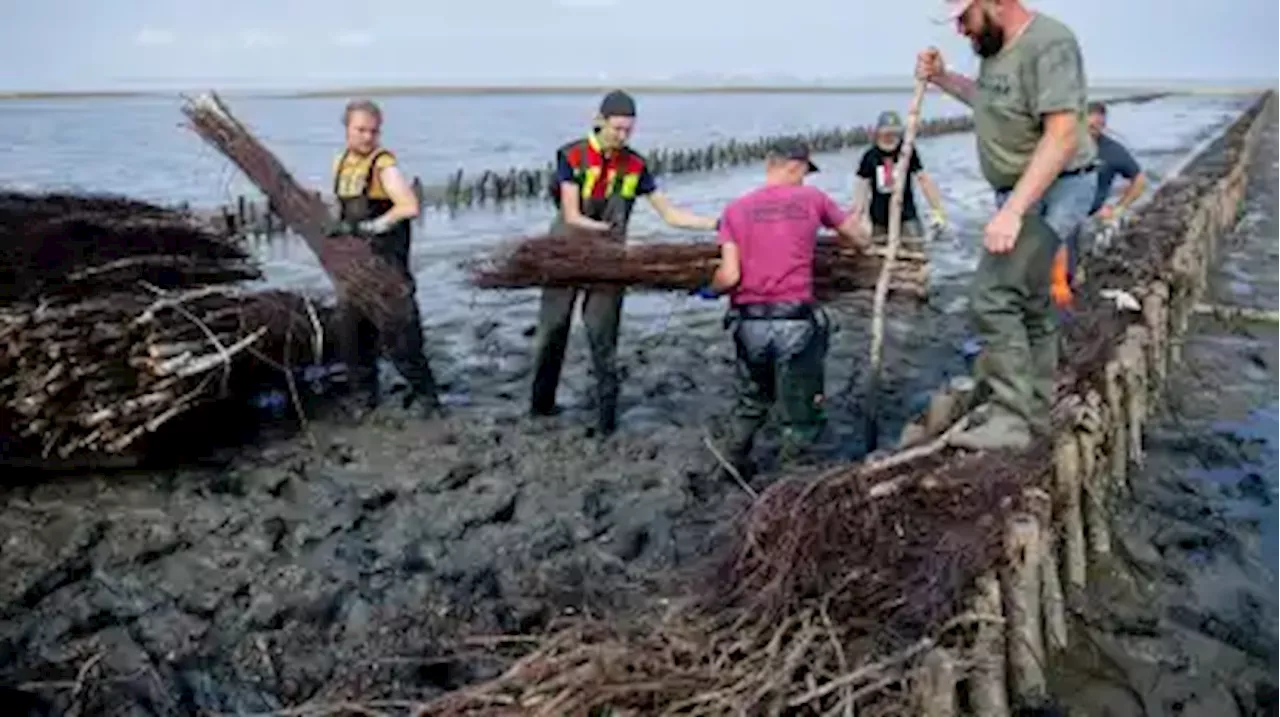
(767, 239)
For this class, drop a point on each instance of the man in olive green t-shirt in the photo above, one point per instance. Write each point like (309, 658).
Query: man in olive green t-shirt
(1034, 148)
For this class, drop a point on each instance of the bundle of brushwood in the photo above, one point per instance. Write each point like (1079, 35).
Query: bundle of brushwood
(580, 259)
(119, 316)
(89, 244)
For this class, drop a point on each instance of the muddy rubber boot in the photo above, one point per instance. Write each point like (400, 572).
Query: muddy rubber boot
(606, 417)
(427, 405)
(425, 396)
(797, 452)
(358, 404)
(999, 429)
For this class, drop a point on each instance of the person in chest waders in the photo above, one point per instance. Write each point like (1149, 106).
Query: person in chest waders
(1034, 149)
(596, 183)
(377, 203)
(767, 243)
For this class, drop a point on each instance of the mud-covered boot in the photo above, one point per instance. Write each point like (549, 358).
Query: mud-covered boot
(425, 400)
(606, 417)
(797, 452)
(995, 428)
(426, 405)
(359, 403)
(424, 393)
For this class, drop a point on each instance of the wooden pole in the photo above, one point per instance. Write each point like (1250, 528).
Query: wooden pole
(1133, 364)
(871, 429)
(1067, 508)
(987, 686)
(1093, 479)
(1118, 442)
(937, 685)
(1021, 591)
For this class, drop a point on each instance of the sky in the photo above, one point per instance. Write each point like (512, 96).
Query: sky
(58, 45)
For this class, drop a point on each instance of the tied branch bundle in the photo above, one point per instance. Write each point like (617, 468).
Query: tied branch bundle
(122, 316)
(74, 245)
(98, 374)
(578, 259)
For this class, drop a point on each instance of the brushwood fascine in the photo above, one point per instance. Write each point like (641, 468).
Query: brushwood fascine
(117, 317)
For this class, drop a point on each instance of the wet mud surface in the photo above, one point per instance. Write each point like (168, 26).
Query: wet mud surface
(1183, 621)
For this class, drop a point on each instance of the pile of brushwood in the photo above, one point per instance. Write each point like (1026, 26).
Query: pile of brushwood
(836, 585)
(581, 259)
(824, 570)
(118, 316)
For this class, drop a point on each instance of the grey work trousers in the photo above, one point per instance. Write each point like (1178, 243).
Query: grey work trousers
(601, 314)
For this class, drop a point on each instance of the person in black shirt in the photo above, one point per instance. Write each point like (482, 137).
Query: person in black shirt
(874, 184)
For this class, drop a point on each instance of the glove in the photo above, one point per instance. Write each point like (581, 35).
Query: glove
(1123, 300)
(365, 228)
(341, 228)
(705, 292)
(373, 227)
(938, 220)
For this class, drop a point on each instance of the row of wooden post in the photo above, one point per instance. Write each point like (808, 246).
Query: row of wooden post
(1063, 528)
(494, 187)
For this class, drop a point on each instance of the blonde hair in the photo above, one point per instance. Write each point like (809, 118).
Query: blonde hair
(368, 107)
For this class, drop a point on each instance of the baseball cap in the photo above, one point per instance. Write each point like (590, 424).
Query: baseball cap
(794, 149)
(956, 8)
(889, 120)
(617, 104)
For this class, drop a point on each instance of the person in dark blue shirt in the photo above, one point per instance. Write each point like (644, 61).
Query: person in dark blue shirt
(1113, 159)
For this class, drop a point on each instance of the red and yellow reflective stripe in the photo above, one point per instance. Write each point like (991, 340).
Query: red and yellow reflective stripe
(594, 166)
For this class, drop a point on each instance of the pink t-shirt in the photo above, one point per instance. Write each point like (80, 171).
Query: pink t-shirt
(776, 228)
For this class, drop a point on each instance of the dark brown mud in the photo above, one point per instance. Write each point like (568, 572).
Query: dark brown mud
(1183, 621)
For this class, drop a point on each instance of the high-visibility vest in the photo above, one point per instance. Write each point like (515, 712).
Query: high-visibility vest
(356, 185)
(600, 180)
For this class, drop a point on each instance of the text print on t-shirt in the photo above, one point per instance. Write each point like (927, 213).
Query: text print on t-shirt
(884, 176)
(770, 212)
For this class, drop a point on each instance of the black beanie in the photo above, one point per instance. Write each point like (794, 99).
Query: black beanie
(617, 104)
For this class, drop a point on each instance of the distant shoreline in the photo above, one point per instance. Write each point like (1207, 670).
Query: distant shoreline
(472, 90)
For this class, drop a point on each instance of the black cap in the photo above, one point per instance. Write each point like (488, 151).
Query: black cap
(795, 149)
(617, 104)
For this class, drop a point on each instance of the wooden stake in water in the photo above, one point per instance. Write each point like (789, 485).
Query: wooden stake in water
(872, 426)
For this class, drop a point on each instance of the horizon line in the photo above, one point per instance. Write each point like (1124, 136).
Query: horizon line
(871, 87)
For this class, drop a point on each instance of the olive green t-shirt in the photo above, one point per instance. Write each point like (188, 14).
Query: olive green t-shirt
(1040, 72)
